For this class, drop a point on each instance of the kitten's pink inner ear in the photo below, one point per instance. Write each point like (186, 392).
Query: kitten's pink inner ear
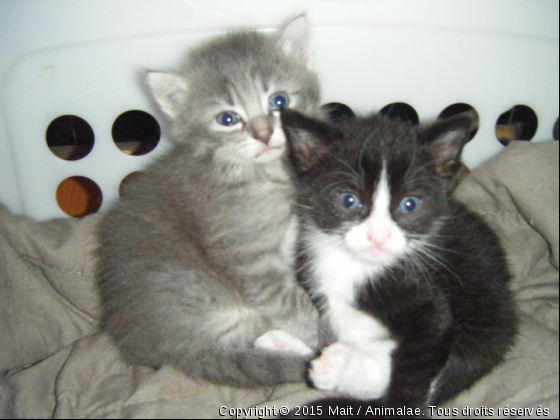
(450, 168)
(295, 37)
(168, 90)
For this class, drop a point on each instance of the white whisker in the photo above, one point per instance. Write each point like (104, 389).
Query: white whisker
(302, 206)
(439, 248)
(427, 256)
(337, 173)
(415, 264)
(331, 187)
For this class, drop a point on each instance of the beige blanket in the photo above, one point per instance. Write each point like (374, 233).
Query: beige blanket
(55, 363)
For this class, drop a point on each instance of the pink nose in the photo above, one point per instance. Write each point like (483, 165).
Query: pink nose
(261, 129)
(263, 136)
(379, 237)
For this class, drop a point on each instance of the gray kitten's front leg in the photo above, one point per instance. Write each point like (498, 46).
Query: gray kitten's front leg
(305, 323)
(292, 314)
(279, 340)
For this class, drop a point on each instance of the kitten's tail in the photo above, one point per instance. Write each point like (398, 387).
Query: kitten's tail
(249, 368)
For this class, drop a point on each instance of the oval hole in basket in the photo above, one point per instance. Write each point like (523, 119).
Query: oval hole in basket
(555, 131)
(337, 111)
(79, 196)
(519, 123)
(136, 133)
(123, 188)
(402, 111)
(460, 108)
(70, 137)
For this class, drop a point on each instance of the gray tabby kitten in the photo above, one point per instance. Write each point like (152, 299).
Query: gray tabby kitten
(196, 263)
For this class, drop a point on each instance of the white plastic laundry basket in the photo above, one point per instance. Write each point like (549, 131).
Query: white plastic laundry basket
(79, 63)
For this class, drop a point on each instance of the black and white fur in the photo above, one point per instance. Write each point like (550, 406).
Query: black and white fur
(413, 285)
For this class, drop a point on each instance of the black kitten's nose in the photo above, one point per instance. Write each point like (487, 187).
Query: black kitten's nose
(261, 129)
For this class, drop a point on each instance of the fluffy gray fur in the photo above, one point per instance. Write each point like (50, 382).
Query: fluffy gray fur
(196, 260)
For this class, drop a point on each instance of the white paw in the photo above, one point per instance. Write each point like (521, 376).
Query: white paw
(278, 340)
(327, 369)
(347, 370)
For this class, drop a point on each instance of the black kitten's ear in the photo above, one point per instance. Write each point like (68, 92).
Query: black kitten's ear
(444, 141)
(307, 139)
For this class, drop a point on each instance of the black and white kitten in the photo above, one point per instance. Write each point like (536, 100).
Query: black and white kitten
(413, 285)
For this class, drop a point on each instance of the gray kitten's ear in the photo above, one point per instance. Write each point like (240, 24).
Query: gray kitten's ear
(169, 91)
(294, 37)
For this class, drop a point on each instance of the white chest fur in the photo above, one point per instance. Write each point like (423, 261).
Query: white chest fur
(339, 276)
(359, 364)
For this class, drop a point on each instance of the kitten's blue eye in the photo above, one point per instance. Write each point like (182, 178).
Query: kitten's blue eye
(228, 119)
(410, 205)
(279, 101)
(350, 201)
